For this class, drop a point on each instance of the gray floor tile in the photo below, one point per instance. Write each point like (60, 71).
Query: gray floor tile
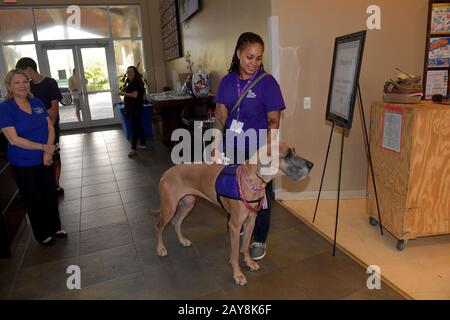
(95, 171)
(105, 237)
(130, 287)
(11, 265)
(192, 280)
(138, 210)
(42, 280)
(70, 223)
(327, 277)
(270, 286)
(71, 183)
(67, 207)
(6, 282)
(97, 179)
(290, 245)
(139, 194)
(100, 202)
(127, 174)
(63, 248)
(108, 264)
(71, 193)
(98, 189)
(102, 217)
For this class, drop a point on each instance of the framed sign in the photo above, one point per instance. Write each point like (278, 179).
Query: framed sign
(347, 57)
(170, 32)
(187, 8)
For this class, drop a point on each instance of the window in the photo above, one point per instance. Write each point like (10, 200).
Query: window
(125, 21)
(13, 53)
(17, 29)
(61, 23)
(128, 53)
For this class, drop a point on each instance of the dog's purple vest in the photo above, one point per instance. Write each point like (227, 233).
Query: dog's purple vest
(226, 183)
(227, 186)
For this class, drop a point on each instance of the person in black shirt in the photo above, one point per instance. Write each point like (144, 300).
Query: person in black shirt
(134, 106)
(46, 89)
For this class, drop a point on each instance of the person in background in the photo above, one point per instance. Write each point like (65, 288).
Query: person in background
(30, 133)
(260, 109)
(75, 90)
(46, 89)
(133, 95)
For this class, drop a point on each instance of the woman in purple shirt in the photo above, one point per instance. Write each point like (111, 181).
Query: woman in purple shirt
(259, 110)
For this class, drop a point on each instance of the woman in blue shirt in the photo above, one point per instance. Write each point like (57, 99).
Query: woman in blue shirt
(25, 123)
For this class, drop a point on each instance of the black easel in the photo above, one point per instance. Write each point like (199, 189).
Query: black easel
(363, 120)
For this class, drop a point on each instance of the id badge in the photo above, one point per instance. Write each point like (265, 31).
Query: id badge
(236, 126)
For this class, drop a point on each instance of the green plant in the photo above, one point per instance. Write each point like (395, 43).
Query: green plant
(97, 79)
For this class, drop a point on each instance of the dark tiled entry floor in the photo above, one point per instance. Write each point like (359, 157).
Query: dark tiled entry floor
(111, 239)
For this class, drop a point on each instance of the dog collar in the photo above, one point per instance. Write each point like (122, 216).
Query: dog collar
(241, 194)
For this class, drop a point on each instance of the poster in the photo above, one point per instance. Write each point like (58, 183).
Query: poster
(392, 129)
(439, 53)
(437, 83)
(440, 18)
(344, 77)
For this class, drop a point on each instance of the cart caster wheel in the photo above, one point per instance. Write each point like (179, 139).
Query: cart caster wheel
(401, 244)
(373, 221)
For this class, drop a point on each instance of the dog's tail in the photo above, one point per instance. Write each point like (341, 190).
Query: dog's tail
(152, 211)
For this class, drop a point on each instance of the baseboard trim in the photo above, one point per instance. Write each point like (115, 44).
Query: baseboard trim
(308, 195)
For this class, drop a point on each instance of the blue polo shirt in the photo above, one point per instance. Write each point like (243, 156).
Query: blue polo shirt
(32, 127)
(265, 97)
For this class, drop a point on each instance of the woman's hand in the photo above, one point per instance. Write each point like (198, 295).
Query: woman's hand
(49, 148)
(47, 159)
(217, 156)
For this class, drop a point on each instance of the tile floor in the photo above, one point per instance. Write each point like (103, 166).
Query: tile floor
(111, 239)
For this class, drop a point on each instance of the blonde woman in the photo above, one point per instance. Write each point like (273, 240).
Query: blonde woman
(26, 125)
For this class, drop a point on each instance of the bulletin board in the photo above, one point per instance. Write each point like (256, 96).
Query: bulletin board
(170, 29)
(437, 49)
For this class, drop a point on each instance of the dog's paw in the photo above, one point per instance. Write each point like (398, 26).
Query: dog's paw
(185, 242)
(240, 279)
(252, 265)
(162, 251)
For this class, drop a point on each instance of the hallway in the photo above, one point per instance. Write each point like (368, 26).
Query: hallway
(111, 239)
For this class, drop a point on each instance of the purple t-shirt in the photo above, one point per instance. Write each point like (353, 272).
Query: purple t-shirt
(265, 97)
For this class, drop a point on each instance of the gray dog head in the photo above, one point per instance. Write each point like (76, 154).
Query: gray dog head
(292, 165)
(289, 163)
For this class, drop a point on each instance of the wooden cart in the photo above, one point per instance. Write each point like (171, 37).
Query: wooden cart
(413, 181)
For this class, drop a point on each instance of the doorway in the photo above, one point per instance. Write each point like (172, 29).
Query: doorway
(92, 67)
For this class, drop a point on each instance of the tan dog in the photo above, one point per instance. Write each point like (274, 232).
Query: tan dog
(180, 185)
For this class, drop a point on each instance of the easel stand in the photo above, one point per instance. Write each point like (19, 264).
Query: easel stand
(340, 170)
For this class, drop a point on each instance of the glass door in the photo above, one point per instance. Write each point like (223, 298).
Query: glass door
(90, 66)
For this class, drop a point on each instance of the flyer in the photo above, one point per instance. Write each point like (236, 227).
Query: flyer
(437, 83)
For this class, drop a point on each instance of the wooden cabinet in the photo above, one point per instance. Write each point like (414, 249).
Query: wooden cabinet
(413, 182)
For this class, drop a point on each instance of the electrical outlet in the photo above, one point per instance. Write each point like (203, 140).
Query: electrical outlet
(307, 103)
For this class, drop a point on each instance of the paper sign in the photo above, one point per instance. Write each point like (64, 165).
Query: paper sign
(392, 130)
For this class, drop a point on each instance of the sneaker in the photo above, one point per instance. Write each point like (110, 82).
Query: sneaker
(257, 250)
(141, 147)
(131, 154)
